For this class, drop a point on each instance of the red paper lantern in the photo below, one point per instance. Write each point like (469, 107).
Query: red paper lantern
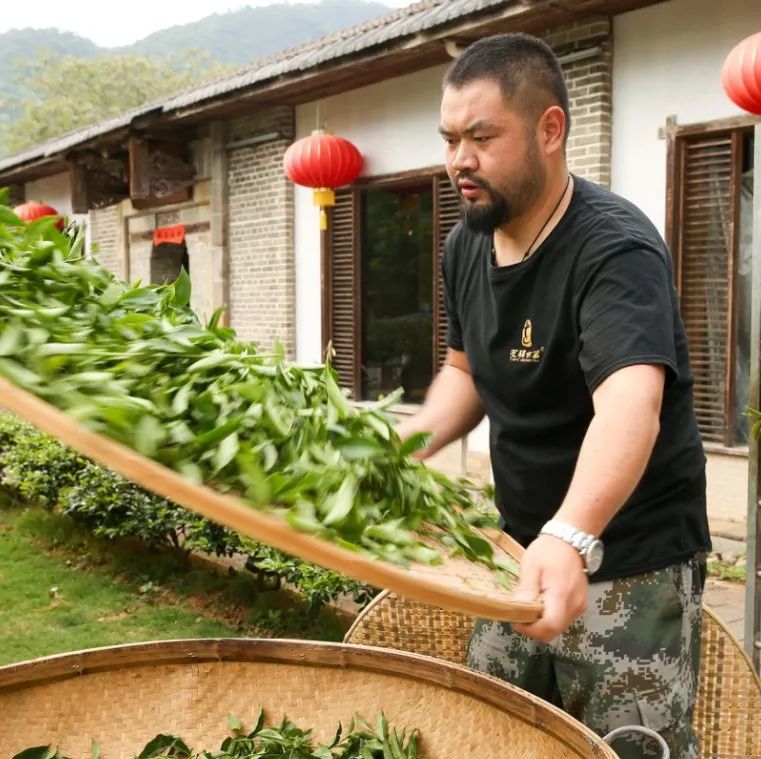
(741, 74)
(322, 161)
(32, 210)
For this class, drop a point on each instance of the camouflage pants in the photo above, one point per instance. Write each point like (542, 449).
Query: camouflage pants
(631, 659)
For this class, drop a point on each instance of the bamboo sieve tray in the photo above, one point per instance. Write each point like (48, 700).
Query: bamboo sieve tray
(123, 695)
(457, 583)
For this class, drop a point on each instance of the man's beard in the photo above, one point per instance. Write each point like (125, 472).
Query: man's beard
(485, 218)
(506, 203)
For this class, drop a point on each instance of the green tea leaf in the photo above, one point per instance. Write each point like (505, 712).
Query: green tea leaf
(8, 218)
(11, 340)
(37, 752)
(110, 296)
(358, 448)
(165, 745)
(415, 442)
(150, 434)
(213, 359)
(226, 452)
(256, 485)
(337, 398)
(182, 289)
(17, 373)
(390, 399)
(212, 437)
(61, 349)
(181, 400)
(340, 504)
(259, 724)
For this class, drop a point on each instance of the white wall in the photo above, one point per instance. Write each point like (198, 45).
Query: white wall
(306, 241)
(667, 60)
(54, 190)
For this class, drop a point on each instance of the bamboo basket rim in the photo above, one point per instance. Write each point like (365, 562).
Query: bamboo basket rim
(433, 585)
(518, 703)
(361, 619)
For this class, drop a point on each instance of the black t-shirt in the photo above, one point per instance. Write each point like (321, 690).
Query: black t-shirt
(541, 335)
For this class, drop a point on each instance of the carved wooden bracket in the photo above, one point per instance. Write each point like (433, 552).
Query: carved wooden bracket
(96, 181)
(160, 172)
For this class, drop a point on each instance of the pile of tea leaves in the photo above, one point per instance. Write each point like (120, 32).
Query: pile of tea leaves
(133, 362)
(286, 740)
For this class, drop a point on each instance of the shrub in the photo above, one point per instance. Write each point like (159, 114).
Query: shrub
(34, 466)
(40, 470)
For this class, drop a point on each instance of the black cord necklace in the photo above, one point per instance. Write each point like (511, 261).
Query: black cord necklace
(539, 233)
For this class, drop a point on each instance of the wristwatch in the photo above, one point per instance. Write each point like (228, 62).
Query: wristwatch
(589, 547)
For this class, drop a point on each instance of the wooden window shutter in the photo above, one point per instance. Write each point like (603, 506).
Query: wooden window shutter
(705, 218)
(446, 213)
(341, 296)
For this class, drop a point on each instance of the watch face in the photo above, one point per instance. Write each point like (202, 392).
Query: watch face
(594, 556)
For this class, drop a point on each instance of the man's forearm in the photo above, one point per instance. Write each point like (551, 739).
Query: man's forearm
(613, 456)
(451, 409)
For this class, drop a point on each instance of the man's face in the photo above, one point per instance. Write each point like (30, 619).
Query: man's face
(492, 155)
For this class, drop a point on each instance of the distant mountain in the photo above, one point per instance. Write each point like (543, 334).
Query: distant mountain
(244, 35)
(21, 45)
(235, 38)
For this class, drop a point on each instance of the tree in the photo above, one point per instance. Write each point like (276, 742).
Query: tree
(70, 93)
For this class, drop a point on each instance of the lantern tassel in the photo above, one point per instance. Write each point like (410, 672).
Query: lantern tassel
(322, 197)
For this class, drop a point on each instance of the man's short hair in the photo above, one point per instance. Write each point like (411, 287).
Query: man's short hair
(525, 68)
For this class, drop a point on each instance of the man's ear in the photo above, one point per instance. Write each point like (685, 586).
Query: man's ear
(551, 130)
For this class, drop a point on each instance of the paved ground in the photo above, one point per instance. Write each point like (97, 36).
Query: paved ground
(727, 599)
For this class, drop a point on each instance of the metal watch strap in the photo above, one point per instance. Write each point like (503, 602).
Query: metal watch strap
(589, 547)
(579, 539)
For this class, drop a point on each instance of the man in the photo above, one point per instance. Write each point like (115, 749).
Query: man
(564, 330)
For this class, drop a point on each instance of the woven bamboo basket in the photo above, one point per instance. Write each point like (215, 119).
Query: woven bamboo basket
(456, 583)
(123, 696)
(727, 715)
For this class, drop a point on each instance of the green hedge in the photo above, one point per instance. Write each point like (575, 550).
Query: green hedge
(42, 471)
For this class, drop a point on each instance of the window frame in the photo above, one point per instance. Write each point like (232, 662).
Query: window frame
(678, 137)
(437, 176)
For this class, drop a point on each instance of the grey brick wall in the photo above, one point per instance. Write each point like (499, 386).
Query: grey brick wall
(590, 85)
(104, 233)
(261, 218)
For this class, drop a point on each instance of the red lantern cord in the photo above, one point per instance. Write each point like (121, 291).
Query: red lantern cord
(322, 161)
(741, 74)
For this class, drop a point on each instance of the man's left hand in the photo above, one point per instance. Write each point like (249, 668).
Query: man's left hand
(552, 571)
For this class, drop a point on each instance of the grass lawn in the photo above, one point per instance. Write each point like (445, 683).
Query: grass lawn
(61, 589)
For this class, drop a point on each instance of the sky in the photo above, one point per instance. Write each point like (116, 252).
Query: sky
(115, 24)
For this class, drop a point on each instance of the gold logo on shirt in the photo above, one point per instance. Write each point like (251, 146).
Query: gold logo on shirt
(526, 334)
(524, 355)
